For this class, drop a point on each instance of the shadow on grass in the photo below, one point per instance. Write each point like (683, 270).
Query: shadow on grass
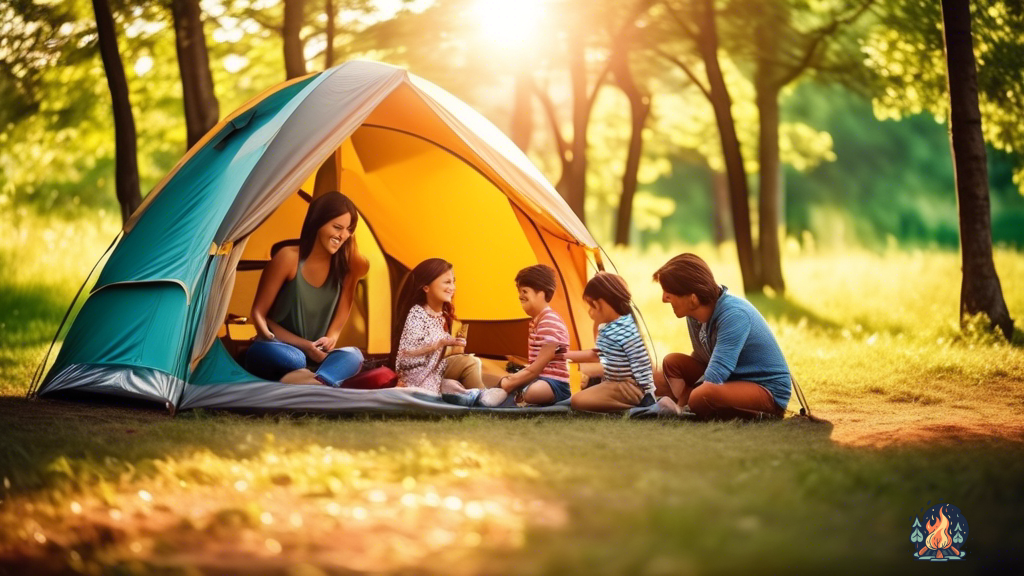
(1017, 338)
(783, 308)
(739, 495)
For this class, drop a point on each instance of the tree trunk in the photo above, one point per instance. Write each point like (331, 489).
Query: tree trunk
(201, 108)
(639, 108)
(294, 58)
(767, 86)
(770, 189)
(574, 183)
(720, 206)
(126, 165)
(329, 49)
(980, 290)
(738, 192)
(522, 110)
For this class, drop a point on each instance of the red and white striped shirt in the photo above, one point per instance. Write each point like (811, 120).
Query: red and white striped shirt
(548, 327)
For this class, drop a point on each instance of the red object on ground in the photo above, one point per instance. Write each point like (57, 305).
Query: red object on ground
(373, 379)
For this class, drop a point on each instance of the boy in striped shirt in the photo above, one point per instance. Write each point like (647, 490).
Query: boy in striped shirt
(546, 379)
(628, 379)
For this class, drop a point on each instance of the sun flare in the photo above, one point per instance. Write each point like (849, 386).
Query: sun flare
(509, 25)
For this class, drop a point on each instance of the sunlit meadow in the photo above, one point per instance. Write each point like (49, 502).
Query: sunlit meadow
(872, 338)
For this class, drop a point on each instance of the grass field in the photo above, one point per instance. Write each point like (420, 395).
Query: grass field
(918, 413)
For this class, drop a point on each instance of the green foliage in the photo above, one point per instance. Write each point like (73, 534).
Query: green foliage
(850, 179)
(891, 182)
(906, 52)
(30, 41)
(62, 157)
(890, 179)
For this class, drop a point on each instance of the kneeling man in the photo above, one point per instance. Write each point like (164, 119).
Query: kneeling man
(737, 369)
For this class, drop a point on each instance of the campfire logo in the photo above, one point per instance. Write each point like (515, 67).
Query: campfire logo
(942, 537)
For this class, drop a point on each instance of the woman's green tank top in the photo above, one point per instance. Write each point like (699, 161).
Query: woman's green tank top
(303, 309)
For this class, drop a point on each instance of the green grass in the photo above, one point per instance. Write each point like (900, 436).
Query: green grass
(919, 412)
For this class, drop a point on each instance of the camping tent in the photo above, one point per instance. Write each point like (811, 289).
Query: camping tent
(429, 176)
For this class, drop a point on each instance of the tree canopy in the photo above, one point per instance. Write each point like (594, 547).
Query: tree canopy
(863, 152)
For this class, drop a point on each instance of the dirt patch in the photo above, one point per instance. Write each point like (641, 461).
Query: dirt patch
(875, 420)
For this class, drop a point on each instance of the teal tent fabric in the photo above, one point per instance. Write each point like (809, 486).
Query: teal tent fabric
(218, 367)
(136, 333)
(129, 324)
(175, 232)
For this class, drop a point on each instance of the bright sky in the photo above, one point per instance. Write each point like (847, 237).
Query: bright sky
(509, 25)
(504, 26)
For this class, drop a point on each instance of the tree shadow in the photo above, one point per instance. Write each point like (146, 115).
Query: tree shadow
(781, 307)
(795, 459)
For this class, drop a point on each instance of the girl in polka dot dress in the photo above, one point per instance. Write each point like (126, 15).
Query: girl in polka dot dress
(423, 330)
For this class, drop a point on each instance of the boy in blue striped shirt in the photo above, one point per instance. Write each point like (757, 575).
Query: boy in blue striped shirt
(628, 379)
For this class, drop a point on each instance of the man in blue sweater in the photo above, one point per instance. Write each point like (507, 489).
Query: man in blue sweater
(737, 369)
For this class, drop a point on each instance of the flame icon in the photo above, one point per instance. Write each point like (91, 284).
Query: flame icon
(938, 544)
(938, 533)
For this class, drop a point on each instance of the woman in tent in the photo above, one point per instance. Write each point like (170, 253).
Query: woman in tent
(423, 331)
(304, 298)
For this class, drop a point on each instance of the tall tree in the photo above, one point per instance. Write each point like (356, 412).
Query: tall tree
(569, 35)
(291, 32)
(521, 130)
(722, 229)
(767, 86)
(127, 168)
(906, 52)
(573, 183)
(782, 53)
(202, 110)
(980, 290)
(639, 109)
(573, 153)
(704, 36)
(330, 33)
(291, 18)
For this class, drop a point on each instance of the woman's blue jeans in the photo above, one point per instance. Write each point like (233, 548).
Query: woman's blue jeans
(271, 360)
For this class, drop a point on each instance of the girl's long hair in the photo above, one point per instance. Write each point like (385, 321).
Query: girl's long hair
(412, 294)
(612, 289)
(325, 208)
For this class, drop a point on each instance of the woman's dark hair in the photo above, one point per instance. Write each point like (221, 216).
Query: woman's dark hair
(687, 274)
(412, 294)
(540, 278)
(610, 288)
(325, 208)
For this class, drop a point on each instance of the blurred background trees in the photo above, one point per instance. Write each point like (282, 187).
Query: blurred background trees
(758, 126)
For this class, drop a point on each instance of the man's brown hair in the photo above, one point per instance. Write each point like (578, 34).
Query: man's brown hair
(540, 278)
(687, 274)
(610, 288)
